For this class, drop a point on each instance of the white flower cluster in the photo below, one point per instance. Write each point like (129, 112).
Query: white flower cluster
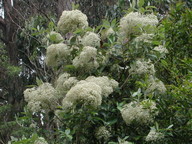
(89, 91)
(161, 49)
(65, 82)
(107, 85)
(139, 112)
(42, 97)
(102, 133)
(155, 85)
(86, 93)
(154, 136)
(142, 67)
(144, 38)
(55, 37)
(56, 53)
(72, 20)
(136, 23)
(91, 39)
(87, 59)
(40, 140)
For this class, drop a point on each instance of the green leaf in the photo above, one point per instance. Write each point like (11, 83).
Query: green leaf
(53, 37)
(112, 122)
(141, 3)
(73, 40)
(133, 4)
(170, 126)
(164, 63)
(106, 24)
(113, 23)
(69, 68)
(112, 143)
(38, 81)
(30, 86)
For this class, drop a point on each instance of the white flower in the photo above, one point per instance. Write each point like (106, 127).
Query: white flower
(144, 38)
(56, 53)
(142, 67)
(155, 85)
(91, 39)
(136, 23)
(105, 83)
(65, 82)
(102, 133)
(40, 140)
(161, 49)
(154, 136)
(85, 93)
(72, 20)
(29, 94)
(62, 78)
(87, 59)
(43, 97)
(139, 112)
(34, 106)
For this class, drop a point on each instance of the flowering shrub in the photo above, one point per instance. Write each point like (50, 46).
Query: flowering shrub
(104, 89)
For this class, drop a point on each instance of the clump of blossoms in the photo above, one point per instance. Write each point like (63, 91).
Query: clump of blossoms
(89, 91)
(102, 133)
(91, 39)
(65, 82)
(146, 38)
(155, 85)
(154, 136)
(87, 59)
(139, 112)
(141, 66)
(40, 140)
(56, 53)
(72, 20)
(85, 93)
(107, 85)
(161, 49)
(136, 23)
(43, 97)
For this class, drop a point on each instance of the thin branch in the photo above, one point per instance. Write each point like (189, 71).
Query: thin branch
(33, 5)
(42, 12)
(124, 83)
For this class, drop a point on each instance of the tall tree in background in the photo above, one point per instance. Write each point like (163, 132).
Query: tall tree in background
(15, 15)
